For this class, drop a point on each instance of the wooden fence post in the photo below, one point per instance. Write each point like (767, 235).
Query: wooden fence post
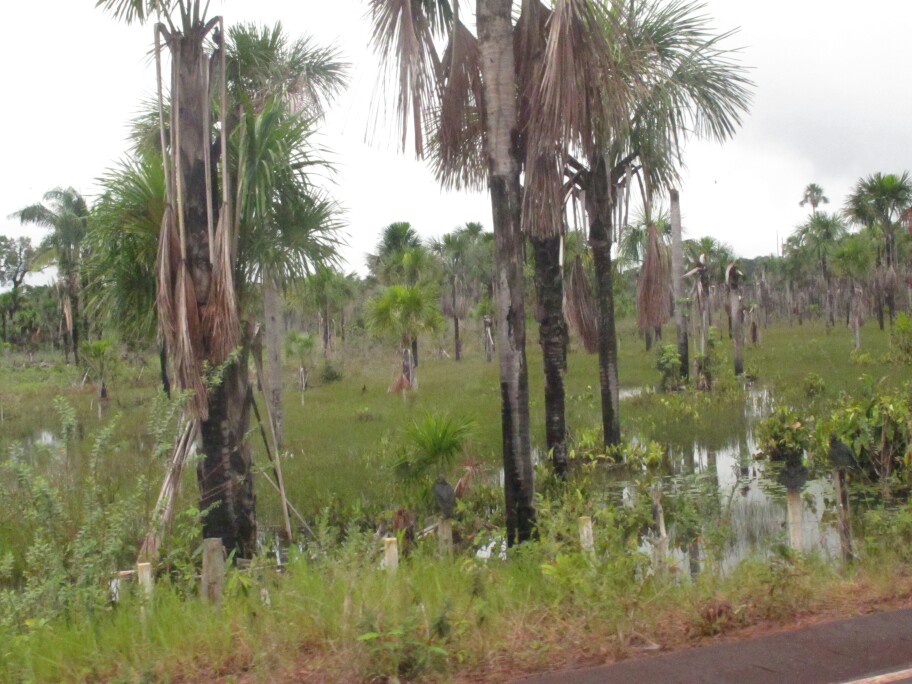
(144, 577)
(445, 537)
(842, 509)
(795, 519)
(213, 577)
(391, 554)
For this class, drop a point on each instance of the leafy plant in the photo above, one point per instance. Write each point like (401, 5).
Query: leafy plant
(669, 365)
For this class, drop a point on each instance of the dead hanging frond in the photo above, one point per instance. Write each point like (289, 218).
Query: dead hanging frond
(543, 197)
(654, 286)
(583, 98)
(579, 306)
(456, 146)
(403, 38)
(222, 320)
(529, 40)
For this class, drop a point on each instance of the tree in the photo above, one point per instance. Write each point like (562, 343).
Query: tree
(404, 312)
(457, 251)
(624, 85)
(819, 234)
(852, 259)
(878, 202)
(65, 212)
(16, 259)
(281, 88)
(813, 195)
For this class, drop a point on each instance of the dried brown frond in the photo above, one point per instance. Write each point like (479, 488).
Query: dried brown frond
(529, 38)
(168, 256)
(583, 98)
(457, 144)
(543, 200)
(403, 38)
(188, 344)
(222, 320)
(654, 286)
(579, 306)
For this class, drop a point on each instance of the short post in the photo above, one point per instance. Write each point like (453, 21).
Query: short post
(391, 554)
(445, 537)
(795, 519)
(587, 541)
(842, 511)
(144, 577)
(213, 577)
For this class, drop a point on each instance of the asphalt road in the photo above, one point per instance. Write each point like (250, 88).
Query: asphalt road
(874, 649)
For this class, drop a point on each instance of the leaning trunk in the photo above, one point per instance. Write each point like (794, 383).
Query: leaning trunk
(272, 314)
(599, 207)
(495, 40)
(549, 286)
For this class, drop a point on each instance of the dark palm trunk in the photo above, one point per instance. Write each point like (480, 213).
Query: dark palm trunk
(600, 200)
(224, 475)
(549, 286)
(415, 352)
(737, 328)
(457, 343)
(495, 40)
(326, 332)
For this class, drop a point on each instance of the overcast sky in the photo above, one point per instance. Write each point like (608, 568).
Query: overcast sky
(832, 103)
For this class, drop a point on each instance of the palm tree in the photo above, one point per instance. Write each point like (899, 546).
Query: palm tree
(819, 234)
(453, 250)
(879, 201)
(852, 259)
(280, 88)
(404, 312)
(813, 195)
(623, 108)
(677, 283)
(65, 212)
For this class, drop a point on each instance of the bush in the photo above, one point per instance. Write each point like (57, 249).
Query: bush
(329, 373)
(901, 339)
(669, 365)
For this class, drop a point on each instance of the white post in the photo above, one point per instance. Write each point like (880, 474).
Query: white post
(795, 526)
(213, 576)
(144, 577)
(391, 554)
(587, 541)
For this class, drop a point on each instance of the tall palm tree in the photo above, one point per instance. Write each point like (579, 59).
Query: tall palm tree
(819, 234)
(65, 212)
(454, 252)
(878, 201)
(852, 259)
(813, 195)
(624, 84)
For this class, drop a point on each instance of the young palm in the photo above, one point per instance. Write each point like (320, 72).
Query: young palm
(813, 195)
(819, 235)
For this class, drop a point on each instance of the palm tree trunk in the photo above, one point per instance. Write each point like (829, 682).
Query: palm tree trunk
(599, 200)
(458, 341)
(677, 284)
(272, 314)
(326, 334)
(163, 368)
(495, 41)
(549, 286)
(225, 476)
(73, 294)
(737, 329)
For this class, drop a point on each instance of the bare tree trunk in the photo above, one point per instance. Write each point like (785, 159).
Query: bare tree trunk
(677, 284)
(549, 287)
(273, 320)
(327, 337)
(599, 200)
(73, 294)
(495, 40)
